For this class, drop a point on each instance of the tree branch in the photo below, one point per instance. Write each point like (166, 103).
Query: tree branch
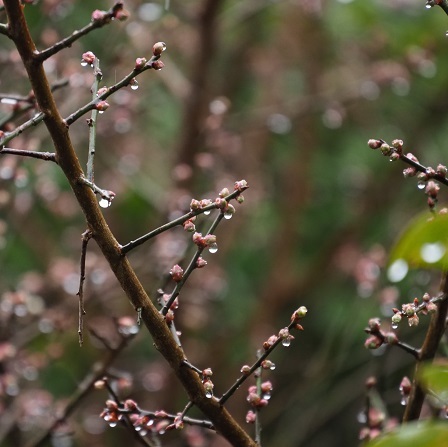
(47, 156)
(68, 161)
(428, 351)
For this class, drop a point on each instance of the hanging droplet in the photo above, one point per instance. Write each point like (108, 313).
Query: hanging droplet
(404, 401)
(206, 213)
(266, 396)
(272, 367)
(286, 342)
(83, 63)
(138, 428)
(143, 432)
(208, 394)
(428, 6)
(228, 215)
(421, 185)
(134, 84)
(112, 424)
(101, 112)
(104, 203)
(394, 325)
(213, 248)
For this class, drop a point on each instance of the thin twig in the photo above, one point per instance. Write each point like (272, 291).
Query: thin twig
(47, 156)
(253, 368)
(34, 121)
(68, 41)
(86, 236)
(179, 221)
(190, 268)
(123, 83)
(92, 122)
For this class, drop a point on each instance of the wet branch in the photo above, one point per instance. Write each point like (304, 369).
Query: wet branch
(86, 236)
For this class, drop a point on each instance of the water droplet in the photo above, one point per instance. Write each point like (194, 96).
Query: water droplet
(286, 342)
(266, 396)
(428, 6)
(208, 394)
(206, 213)
(134, 84)
(104, 203)
(213, 248)
(362, 417)
(138, 428)
(421, 185)
(272, 367)
(83, 63)
(112, 424)
(143, 432)
(404, 401)
(394, 325)
(228, 215)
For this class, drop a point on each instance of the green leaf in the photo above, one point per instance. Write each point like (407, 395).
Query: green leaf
(415, 434)
(424, 243)
(435, 379)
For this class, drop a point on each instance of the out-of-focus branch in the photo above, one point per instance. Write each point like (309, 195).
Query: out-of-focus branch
(201, 64)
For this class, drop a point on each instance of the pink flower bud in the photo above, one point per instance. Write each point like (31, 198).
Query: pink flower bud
(374, 144)
(241, 185)
(102, 106)
(177, 273)
(201, 262)
(98, 15)
(140, 62)
(157, 65)
(88, 57)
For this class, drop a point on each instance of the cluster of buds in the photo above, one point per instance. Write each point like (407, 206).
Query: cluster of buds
(209, 240)
(411, 311)
(258, 398)
(208, 384)
(156, 423)
(196, 205)
(378, 337)
(427, 177)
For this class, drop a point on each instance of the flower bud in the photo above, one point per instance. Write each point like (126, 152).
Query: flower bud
(158, 48)
(130, 405)
(250, 417)
(98, 15)
(441, 170)
(245, 369)
(409, 172)
(414, 320)
(224, 192)
(397, 144)
(102, 106)
(177, 273)
(386, 149)
(374, 144)
(88, 57)
(373, 342)
(241, 185)
(431, 308)
(140, 62)
(396, 318)
(157, 65)
(200, 263)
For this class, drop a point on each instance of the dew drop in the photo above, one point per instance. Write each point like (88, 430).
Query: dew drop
(134, 84)
(286, 342)
(138, 428)
(101, 112)
(143, 433)
(206, 213)
(421, 185)
(266, 396)
(208, 394)
(404, 401)
(272, 367)
(83, 63)
(428, 6)
(228, 215)
(112, 424)
(394, 325)
(104, 203)
(213, 248)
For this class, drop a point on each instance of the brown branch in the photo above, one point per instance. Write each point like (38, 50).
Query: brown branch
(47, 156)
(68, 161)
(428, 351)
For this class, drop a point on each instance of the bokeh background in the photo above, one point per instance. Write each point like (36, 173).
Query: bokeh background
(282, 93)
